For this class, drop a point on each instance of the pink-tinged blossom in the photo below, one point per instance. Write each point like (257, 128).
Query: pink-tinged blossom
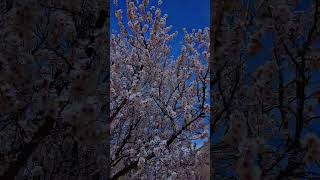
(156, 94)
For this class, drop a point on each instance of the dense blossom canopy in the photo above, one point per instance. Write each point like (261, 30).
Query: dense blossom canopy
(159, 104)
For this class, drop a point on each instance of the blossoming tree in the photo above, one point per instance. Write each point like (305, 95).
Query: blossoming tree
(158, 103)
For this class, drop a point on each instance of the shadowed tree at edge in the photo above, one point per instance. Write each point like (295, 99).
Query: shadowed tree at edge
(265, 91)
(53, 92)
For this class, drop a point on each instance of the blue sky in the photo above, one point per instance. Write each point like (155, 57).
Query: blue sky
(182, 13)
(189, 14)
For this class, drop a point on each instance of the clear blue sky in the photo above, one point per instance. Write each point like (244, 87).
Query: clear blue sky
(189, 14)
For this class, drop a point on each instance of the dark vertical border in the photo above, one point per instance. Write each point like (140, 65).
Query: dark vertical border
(211, 88)
(211, 80)
(108, 90)
(215, 21)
